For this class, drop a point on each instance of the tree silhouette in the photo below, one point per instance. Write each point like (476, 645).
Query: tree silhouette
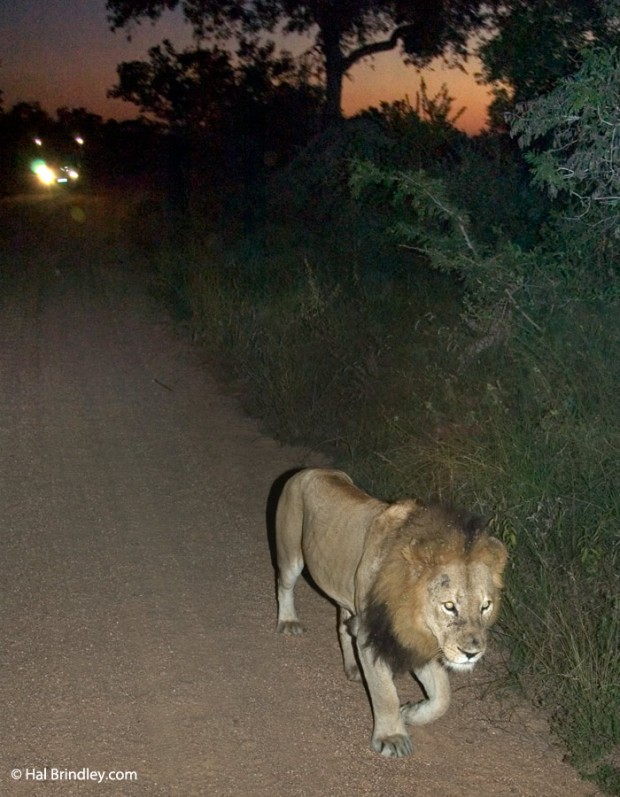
(346, 31)
(538, 44)
(218, 92)
(182, 89)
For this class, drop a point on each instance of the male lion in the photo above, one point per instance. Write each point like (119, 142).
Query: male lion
(417, 588)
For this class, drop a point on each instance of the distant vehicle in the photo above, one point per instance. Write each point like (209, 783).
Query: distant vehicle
(50, 175)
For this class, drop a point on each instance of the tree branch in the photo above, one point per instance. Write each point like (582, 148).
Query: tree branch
(374, 48)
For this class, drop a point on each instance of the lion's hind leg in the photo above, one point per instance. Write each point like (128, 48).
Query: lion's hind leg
(288, 621)
(289, 570)
(289, 527)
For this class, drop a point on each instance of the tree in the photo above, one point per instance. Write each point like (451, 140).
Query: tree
(538, 44)
(221, 94)
(31, 118)
(345, 31)
(577, 124)
(179, 88)
(79, 121)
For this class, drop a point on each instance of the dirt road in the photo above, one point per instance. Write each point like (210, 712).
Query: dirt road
(138, 603)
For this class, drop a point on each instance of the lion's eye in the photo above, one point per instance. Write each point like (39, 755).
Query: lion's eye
(450, 607)
(485, 606)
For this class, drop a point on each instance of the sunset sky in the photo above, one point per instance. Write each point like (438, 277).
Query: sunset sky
(62, 53)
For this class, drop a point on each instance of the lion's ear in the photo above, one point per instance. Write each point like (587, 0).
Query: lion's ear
(494, 554)
(421, 554)
(395, 515)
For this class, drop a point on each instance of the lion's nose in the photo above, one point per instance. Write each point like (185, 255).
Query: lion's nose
(470, 654)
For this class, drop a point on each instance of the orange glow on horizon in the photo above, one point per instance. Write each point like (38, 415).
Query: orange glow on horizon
(48, 64)
(388, 79)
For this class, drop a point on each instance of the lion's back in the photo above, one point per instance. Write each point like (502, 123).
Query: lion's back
(331, 517)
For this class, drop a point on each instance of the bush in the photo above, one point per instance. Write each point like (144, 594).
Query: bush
(526, 433)
(506, 403)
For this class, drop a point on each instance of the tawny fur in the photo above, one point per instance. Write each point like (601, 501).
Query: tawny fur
(418, 587)
(428, 540)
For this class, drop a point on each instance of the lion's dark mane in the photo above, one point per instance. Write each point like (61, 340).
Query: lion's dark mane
(382, 639)
(441, 524)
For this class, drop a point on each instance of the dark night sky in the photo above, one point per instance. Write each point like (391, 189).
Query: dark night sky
(62, 53)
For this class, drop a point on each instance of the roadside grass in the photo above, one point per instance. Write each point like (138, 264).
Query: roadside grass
(367, 365)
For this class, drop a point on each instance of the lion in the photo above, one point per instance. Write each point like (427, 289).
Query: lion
(417, 588)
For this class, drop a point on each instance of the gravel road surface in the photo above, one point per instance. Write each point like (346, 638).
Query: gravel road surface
(138, 607)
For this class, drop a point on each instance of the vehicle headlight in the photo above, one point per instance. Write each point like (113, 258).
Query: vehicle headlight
(44, 173)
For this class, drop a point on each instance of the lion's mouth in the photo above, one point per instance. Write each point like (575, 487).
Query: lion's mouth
(460, 666)
(461, 660)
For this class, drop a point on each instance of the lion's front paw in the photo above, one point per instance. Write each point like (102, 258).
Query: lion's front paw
(408, 711)
(292, 627)
(424, 711)
(395, 746)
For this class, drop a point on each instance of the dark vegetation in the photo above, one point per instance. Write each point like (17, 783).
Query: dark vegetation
(438, 312)
(343, 33)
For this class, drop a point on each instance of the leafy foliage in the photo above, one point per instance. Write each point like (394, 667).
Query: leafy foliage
(570, 139)
(537, 44)
(345, 33)
(188, 89)
(341, 318)
(578, 123)
(490, 177)
(511, 410)
(500, 279)
(209, 88)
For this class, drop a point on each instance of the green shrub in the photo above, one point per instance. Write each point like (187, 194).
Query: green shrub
(505, 403)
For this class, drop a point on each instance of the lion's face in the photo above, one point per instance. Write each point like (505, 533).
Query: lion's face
(437, 593)
(462, 602)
